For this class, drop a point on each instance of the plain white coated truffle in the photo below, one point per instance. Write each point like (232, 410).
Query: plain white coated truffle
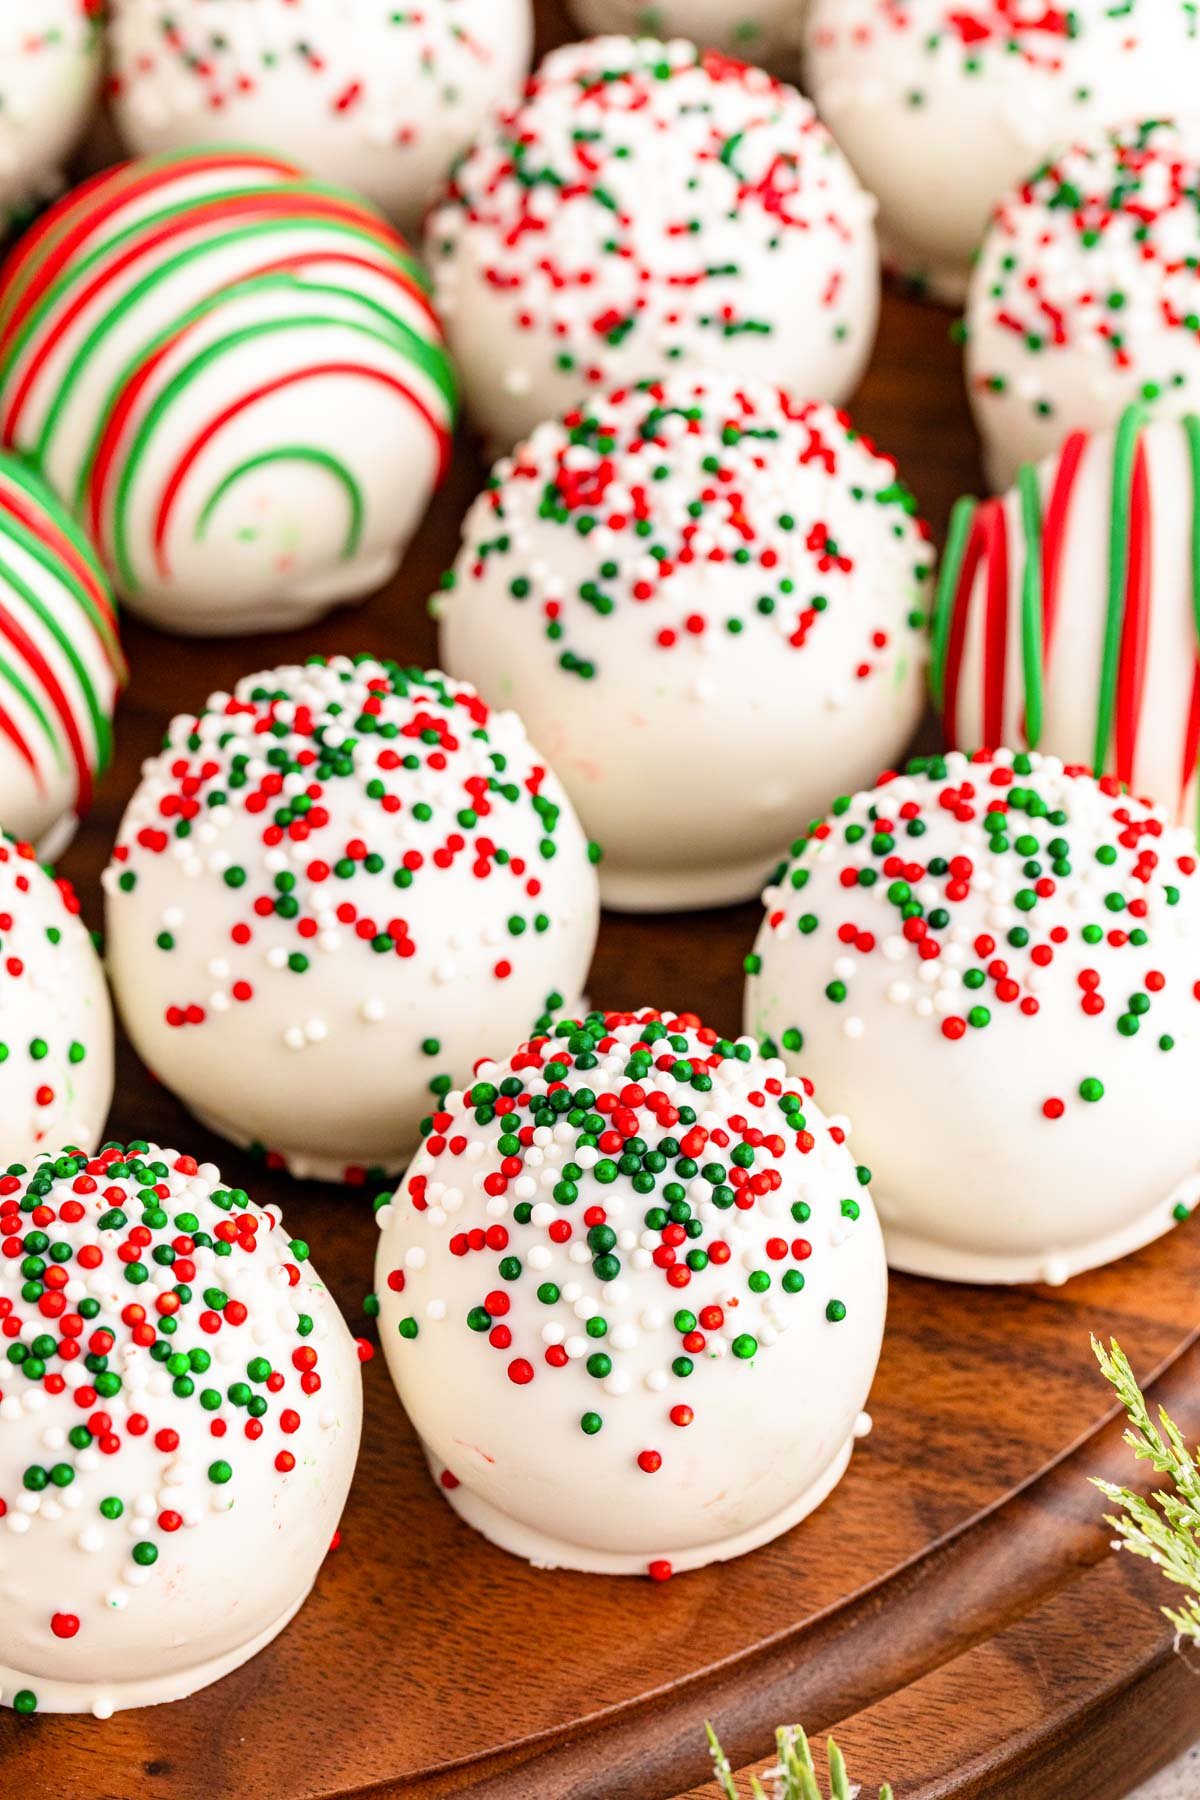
(943, 106)
(373, 96)
(648, 205)
(632, 1292)
(330, 891)
(993, 964)
(707, 601)
(163, 1512)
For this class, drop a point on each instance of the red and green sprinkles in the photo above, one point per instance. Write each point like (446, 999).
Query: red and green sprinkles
(597, 1163)
(641, 194)
(112, 1263)
(673, 483)
(1000, 873)
(1096, 256)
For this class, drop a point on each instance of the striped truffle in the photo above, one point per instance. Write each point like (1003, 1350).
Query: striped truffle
(1068, 612)
(61, 667)
(234, 378)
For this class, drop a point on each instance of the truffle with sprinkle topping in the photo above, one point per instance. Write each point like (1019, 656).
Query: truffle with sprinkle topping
(180, 1406)
(1086, 295)
(56, 1033)
(706, 581)
(49, 73)
(993, 963)
(331, 887)
(648, 205)
(943, 105)
(631, 1293)
(372, 95)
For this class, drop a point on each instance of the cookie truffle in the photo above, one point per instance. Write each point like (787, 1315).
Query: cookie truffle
(61, 667)
(376, 97)
(56, 1033)
(233, 376)
(49, 74)
(182, 1406)
(993, 964)
(706, 579)
(762, 31)
(1068, 612)
(1086, 296)
(334, 888)
(943, 106)
(648, 205)
(631, 1294)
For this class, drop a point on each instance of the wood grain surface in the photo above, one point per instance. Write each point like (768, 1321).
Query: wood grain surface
(953, 1610)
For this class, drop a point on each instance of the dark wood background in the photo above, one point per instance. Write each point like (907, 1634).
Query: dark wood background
(953, 1610)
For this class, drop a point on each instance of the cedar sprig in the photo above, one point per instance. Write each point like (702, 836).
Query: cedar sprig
(1164, 1527)
(794, 1776)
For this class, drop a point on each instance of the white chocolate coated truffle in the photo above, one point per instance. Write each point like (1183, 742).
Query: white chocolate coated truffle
(61, 666)
(164, 1509)
(993, 964)
(1086, 295)
(1068, 611)
(707, 602)
(648, 205)
(766, 32)
(56, 1032)
(943, 106)
(49, 74)
(374, 96)
(331, 890)
(233, 376)
(631, 1293)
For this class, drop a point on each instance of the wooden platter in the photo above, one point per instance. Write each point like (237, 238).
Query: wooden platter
(953, 1610)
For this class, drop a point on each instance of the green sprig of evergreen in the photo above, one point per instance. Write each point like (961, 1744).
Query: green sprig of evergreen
(1164, 1527)
(794, 1776)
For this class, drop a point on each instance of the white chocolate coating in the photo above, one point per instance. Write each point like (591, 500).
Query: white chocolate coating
(1020, 1091)
(633, 1373)
(160, 1520)
(56, 1032)
(233, 376)
(646, 206)
(1086, 295)
(305, 985)
(49, 74)
(705, 584)
(61, 666)
(943, 106)
(365, 93)
(1100, 538)
(766, 32)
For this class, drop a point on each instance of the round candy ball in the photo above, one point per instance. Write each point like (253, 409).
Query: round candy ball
(332, 890)
(49, 74)
(631, 1294)
(942, 107)
(376, 97)
(1068, 612)
(648, 205)
(56, 1032)
(1086, 295)
(707, 601)
(766, 31)
(166, 1508)
(61, 667)
(233, 376)
(993, 965)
